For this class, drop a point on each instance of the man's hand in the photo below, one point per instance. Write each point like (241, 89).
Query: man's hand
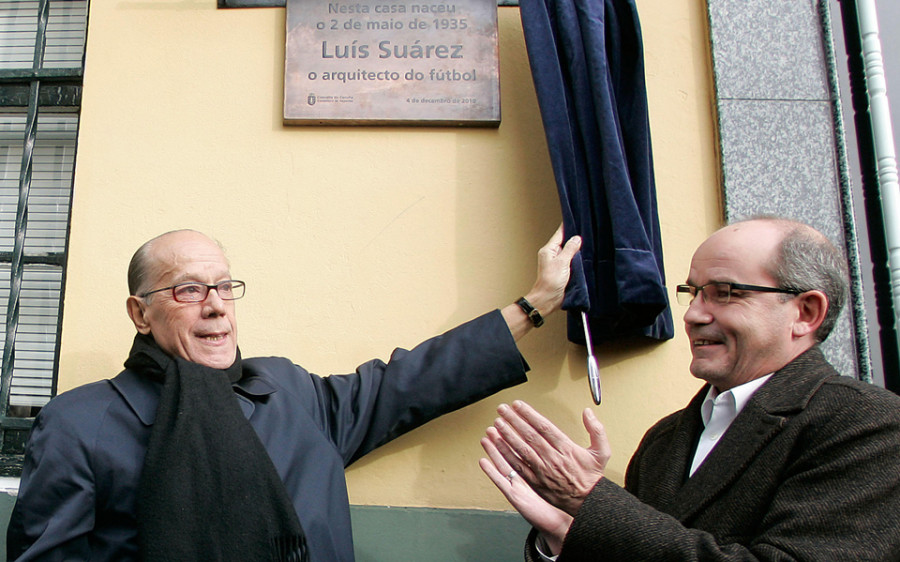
(546, 295)
(552, 523)
(554, 261)
(559, 470)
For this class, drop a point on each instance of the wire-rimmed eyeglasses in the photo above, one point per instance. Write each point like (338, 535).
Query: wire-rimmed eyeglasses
(228, 290)
(720, 292)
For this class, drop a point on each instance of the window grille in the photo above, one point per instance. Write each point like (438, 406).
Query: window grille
(41, 68)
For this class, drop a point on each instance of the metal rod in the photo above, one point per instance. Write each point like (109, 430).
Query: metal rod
(593, 369)
(17, 265)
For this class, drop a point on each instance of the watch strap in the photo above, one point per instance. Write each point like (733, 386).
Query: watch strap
(531, 312)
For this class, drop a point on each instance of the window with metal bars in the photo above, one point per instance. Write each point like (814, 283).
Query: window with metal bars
(41, 68)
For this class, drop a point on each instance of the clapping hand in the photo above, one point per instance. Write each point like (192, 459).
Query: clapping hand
(551, 523)
(559, 470)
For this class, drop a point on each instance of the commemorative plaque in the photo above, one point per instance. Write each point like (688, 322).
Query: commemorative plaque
(392, 62)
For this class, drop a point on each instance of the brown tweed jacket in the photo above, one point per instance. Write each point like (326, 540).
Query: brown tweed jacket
(809, 470)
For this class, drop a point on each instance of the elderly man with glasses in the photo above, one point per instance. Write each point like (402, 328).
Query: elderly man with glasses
(777, 457)
(192, 453)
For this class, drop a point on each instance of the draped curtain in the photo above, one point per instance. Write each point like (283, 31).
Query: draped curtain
(587, 62)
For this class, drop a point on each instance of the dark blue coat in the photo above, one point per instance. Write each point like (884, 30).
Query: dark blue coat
(84, 458)
(587, 62)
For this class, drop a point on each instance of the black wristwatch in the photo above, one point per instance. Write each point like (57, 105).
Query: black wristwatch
(531, 311)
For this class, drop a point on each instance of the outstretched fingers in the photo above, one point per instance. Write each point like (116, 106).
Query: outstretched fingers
(558, 469)
(509, 454)
(538, 429)
(522, 438)
(599, 442)
(552, 523)
(497, 468)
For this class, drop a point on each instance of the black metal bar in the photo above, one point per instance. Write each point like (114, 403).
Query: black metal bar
(40, 40)
(43, 74)
(11, 465)
(60, 95)
(16, 423)
(17, 267)
(56, 258)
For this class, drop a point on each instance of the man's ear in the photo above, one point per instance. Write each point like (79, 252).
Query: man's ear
(811, 308)
(136, 312)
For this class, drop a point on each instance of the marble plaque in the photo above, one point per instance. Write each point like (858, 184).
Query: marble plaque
(392, 62)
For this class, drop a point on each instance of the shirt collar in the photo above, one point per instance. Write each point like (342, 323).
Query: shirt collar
(738, 396)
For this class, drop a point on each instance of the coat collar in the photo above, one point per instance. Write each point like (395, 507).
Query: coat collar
(785, 394)
(142, 394)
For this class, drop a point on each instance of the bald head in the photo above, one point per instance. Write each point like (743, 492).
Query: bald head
(201, 331)
(804, 259)
(768, 286)
(142, 263)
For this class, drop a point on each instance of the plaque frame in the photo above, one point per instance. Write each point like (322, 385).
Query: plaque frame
(426, 63)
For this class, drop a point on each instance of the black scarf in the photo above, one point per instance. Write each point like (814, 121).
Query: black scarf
(208, 490)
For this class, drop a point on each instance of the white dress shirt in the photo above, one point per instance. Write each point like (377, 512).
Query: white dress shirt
(718, 411)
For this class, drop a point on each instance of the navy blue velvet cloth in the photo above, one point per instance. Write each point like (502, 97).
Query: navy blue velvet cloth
(587, 61)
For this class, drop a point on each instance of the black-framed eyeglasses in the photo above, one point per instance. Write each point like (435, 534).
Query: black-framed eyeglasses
(228, 290)
(720, 292)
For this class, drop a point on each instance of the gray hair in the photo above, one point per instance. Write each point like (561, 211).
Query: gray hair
(139, 267)
(807, 261)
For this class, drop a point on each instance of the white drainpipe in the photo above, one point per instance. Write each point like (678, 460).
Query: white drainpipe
(883, 136)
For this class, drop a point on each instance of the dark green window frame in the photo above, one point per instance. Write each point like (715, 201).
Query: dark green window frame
(41, 105)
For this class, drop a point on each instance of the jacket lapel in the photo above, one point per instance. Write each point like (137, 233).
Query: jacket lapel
(668, 478)
(141, 394)
(783, 396)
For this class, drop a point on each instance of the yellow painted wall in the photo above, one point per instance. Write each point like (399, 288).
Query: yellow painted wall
(356, 240)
